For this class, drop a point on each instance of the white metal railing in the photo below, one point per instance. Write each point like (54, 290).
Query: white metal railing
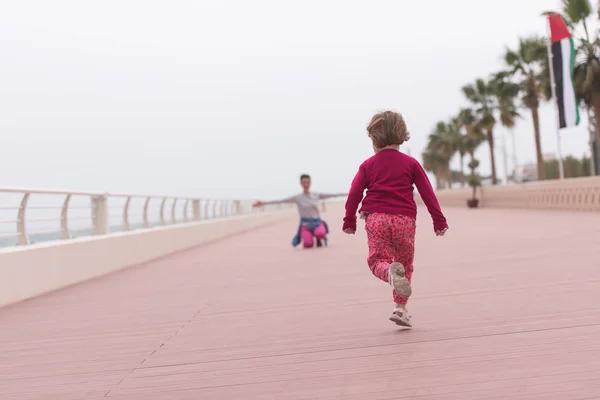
(56, 214)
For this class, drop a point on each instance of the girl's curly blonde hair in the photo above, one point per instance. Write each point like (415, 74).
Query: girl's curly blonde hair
(387, 128)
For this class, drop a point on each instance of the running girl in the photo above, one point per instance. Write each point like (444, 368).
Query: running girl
(389, 208)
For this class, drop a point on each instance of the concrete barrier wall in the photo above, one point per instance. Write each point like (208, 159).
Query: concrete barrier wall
(30, 271)
(451, 198)
(569, 194)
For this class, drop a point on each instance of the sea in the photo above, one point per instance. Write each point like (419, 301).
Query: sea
(56, 236)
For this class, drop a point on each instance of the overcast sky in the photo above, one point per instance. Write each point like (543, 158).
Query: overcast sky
(238, 98)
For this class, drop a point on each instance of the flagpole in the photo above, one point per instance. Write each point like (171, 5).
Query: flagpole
(561, 171)
(593, 152)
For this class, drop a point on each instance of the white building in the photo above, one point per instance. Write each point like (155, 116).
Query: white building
(528, 172)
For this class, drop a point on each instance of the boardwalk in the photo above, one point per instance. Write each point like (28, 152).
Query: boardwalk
(506, 306)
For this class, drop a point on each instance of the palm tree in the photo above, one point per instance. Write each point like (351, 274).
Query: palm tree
(473, 136)
(576, 11)
(506, 92)
(586, 74)
(584, 94)
(441, 148)
(482, 95)
(466, 119)
(441, 142)
(433, 162)
(459, 144)
(528, 64)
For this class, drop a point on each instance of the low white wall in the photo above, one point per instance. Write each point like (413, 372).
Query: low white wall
(569, 194)
(33, 270)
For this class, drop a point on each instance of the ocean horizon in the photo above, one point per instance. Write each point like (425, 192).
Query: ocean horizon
(57, 236)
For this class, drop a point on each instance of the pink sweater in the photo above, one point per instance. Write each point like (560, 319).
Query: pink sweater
(389, 177)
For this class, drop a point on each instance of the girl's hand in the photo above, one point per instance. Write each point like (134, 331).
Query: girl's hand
(441, 233)
(349, 227)
(258, 204)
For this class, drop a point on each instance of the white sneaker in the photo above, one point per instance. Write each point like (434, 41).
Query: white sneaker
(401, 317)
(398, 280)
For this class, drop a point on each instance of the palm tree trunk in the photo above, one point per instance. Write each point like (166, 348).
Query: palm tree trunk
(462, 170)
(538, 143)
(490, 138)
(472, 154)
(438, 180)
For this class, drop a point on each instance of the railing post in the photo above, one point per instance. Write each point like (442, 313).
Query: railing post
(64, 218)
(162, 211)
(239, 209)
(21, 226)
(146, 205)
(100, 215)
(196, 208)
(174, 211)
(126, 226)
(185, 210)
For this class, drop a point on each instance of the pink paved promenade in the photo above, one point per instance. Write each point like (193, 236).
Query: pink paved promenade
(507, 306)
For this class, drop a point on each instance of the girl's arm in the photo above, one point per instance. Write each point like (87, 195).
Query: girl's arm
(429, 198)
(355, 196)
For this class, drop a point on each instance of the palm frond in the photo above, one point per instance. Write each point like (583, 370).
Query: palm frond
(531, 78)
(533, 49)
(576, 10)
(511, 58)
(470, 93)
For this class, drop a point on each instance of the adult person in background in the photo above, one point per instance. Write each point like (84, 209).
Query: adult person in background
(311, 225)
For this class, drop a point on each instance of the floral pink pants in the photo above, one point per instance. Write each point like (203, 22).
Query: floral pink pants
(391, 239)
